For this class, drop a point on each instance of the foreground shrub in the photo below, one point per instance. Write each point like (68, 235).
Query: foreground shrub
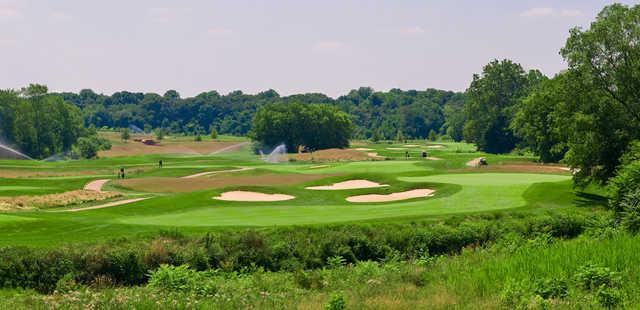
(181, 279)
(336, 302)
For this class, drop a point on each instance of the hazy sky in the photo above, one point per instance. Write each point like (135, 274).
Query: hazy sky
(296, 46)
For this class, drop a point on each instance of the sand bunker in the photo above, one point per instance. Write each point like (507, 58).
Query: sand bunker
(411, 145)
(363, 149)
(435, 146)
(351, 184)
(415, 193)
(375, 155)
(252, 196)
(397, 148)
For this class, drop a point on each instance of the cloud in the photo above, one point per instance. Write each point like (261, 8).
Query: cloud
(7, 14)
(550, 12)
(165, 15)
(219, 32)
(413, 30)
(328, 46)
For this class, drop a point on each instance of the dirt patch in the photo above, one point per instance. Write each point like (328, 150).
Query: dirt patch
(133, 148)
(180, 185)
(23, 173)
(54, 200)
(107, 205)
(375, 156)
(474, 162)
(201, 174)
(351, 184)
(96, 185)
(332, 155)
(520, 167)
(415, 193)
(252, 196)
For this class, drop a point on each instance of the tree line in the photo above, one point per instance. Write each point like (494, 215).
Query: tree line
(411, 113)
(41, 125)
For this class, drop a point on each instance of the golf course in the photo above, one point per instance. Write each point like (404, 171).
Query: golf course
(169, 198)
(323, 155)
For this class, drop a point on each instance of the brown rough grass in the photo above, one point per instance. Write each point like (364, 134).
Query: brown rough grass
(178, 185)
(332, 155)
(53, 200)
(519, 167)
(133, 148)
(23, 173)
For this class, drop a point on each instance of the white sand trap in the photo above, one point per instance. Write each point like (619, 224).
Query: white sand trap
(319, 166)
(397, 148)
(415, 193)
(351, 184)
(363, 149)
(252, 196)
(434, 158)
(374, 155)
(436, 146)
(96, 185)
(411, 145)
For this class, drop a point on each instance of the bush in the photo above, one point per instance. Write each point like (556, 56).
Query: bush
(609, 297)
(630, 211)
(552, 288)
(336, 302)
(172, 278)
(591, 277)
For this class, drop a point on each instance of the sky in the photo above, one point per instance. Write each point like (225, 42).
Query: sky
(291, 46)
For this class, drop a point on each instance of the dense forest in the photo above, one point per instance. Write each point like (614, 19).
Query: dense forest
(411, 113)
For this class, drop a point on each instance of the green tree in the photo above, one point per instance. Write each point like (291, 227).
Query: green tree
(540, 121)
(295, 124)
(213, 132)
(125, 134)
(489, 107)
(433, 136)
(160, 133)
(608, 53)
(376, 137)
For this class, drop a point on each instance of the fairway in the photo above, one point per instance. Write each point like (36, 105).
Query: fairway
(183, 193)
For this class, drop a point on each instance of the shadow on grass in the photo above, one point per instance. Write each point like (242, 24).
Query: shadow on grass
(583, 199)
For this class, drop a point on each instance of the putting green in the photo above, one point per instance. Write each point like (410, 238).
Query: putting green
(479, 192)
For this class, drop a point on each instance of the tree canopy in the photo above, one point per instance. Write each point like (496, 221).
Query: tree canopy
(295, 124)
(491, 101)
(37, 123)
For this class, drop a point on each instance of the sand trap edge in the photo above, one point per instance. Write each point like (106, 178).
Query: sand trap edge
(247, 196)
(410, 194)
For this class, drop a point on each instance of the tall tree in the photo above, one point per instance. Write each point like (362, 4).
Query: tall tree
(489, 107)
